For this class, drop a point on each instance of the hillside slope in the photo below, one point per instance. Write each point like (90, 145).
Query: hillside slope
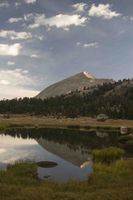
(77, 82)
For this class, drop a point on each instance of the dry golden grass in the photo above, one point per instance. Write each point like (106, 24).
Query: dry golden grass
(63, 122)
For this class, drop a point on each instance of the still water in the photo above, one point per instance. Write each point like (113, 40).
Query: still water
(69, 149)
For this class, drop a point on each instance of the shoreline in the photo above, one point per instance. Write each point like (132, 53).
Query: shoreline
(82, 123)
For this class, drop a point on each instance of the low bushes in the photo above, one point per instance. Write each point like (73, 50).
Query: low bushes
(124, 138)
(126, 142)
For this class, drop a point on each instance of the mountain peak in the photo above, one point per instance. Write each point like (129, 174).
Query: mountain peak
(70, 84)
(88, 75)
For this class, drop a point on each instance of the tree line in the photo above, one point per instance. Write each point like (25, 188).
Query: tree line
(112, 99)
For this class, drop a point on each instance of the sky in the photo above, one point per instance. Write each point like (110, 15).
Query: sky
(44, 41)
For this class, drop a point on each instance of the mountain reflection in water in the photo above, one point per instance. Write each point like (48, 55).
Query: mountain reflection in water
(70, 149)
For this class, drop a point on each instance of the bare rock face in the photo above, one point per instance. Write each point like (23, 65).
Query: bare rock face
(77, 82)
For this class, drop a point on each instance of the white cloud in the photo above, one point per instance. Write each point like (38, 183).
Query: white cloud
(4, 5)
(79, 7)
(39, 37)
(17, 4)
(88, 45)
(30, 1)
(10, 92)
(29, 16)
(59, 21)
(4, 82)
(13, 83)
(26, 17)
(13, 35)
(2, 150)
(16, 77)
(14, 20)
(35, 56)
(10, 50)
(127, 18)
(10, 63)
(91, 45)
(78, 43)
(103, 10)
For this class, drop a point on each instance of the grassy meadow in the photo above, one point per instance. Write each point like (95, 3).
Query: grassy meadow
(81, 122)
(108, 182)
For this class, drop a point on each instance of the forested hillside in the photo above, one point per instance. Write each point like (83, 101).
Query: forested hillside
(112, 99)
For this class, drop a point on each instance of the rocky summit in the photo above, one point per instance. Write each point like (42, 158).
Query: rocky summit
(77, 82)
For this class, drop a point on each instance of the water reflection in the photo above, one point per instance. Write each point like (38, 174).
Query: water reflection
(71, 150)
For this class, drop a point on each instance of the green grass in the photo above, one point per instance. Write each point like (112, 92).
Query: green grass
(3, 127)
(108, 182)
(107, 155)
(23, 173)
(118, 168)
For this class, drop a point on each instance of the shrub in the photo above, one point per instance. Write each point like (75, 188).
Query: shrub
(124, 138)
(107, 155)
(129, 146)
